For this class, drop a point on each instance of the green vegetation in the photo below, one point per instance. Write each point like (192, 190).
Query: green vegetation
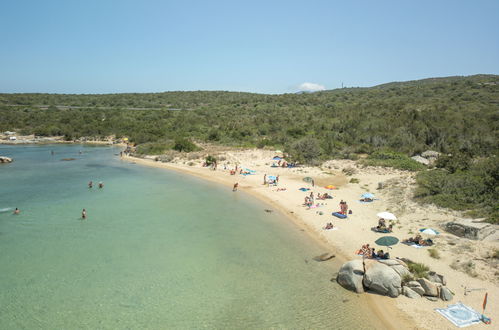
(434, 253)
(392, 159)
(388, 123)
(419, 270)
(473, 186)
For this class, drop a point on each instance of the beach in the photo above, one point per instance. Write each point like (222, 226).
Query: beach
(352, 233)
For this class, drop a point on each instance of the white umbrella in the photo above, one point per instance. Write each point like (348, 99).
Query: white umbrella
(387, 216)
(429, 231)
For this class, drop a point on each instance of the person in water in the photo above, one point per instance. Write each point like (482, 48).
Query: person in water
(235, 186)
(90, 184)
(101, 185)
(16, 211)
(84, 214)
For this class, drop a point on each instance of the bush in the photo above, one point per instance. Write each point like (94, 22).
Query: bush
(152, 148)
(210, 160)
(419, 270)
(392, 159)
(184, 145)
(306, 150)
(434, 253)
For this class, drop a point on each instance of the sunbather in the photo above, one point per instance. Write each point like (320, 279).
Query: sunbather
(329, 225)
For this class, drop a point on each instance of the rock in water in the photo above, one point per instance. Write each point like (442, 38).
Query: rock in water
(445, 294)
(408, 292)
(5, 159)
(324, 257)
(383, 279)
(430, 288)
(350, 276)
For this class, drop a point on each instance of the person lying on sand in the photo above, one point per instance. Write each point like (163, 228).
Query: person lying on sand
(329, 225)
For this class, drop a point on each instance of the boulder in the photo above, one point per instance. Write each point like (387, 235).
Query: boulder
(431, 298)
(416, 287)
(397, 265)
(382, 279)
(446, 294)
(350, 276)
(472, 229)
(5, 159)
(421, 160)
(430, 288)
(409, 293)
(430, 154)
(437, 278)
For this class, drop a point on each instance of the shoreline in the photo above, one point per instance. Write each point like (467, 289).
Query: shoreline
(384, 308)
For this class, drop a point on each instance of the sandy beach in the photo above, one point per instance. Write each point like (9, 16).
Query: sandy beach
(469, 284)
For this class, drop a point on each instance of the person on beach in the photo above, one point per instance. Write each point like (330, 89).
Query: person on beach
(16, 211)
(90, 184)
(265, 178)
(277, 178)
(84, 214)
(235, 186)
(101, 185)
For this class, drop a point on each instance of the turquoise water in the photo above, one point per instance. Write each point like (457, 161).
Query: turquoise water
(158, 250)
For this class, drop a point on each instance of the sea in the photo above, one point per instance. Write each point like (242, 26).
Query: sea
(158, 250)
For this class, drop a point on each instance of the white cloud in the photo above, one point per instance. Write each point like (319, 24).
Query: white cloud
(311, 87)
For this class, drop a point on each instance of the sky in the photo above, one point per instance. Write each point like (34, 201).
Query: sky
(104, 46)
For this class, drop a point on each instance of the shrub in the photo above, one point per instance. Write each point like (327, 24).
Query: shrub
(434, 253)
(392, 159)
(184, 145)
(354, 180)
(306, 150)
(210, 160)
(152, 148)
(419, 270)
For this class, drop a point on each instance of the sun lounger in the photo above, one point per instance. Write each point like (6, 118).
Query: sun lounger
(339, 215)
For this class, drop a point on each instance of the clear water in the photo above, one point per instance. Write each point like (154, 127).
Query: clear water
(158, 250)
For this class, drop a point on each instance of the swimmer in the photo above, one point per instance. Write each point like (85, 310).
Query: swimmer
(235, 186)
(16, 211)
(101, 185)
(90, 184)
(84, 214)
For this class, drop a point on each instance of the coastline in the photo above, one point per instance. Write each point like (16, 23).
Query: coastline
(383, 307)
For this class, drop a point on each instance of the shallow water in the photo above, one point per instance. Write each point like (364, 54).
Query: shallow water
(158, 250)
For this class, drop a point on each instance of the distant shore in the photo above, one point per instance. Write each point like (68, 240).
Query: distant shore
(396, 313)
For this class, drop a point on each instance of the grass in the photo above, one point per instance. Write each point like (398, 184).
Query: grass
(419, 270)
(354, 180)
(434, 253)
(392, 159)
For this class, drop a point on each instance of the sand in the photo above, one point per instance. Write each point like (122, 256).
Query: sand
(402, 313)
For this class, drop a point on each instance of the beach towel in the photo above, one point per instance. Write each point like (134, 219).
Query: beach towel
(339, 215)
(362, 202)
(460, 315)
(304, 189)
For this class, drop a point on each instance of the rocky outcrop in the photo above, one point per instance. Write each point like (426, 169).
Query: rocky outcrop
(416, 287)
(471, 229)
(409, 293)
(4, 160)
(397, 265)
(446, 294)
(382, 279)
(437, 278)
(350, 276)
(421, 160)
(430, 288)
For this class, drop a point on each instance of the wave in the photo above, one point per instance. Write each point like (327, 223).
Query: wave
(6, 209)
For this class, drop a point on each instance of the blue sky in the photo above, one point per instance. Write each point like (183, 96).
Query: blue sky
(256, 46)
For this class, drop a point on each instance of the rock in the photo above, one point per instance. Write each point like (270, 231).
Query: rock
(430, 289)
(437, 278)
(471, 229)
(382, 279)
(416, 287)
(430, 154)
(324, 257)
(381, 185)
(445, 294)
(409, 293)
(431, 298)
(397, 265)
(421, 160)
(5, 159)
(350, 276)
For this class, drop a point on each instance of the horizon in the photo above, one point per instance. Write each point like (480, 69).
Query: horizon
(283, 47)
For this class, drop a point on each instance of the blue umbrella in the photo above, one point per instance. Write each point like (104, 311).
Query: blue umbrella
(277, 158)
(271, 177)
(367, 195)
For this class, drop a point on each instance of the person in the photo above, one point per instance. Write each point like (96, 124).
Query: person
(390, 228)
(16, 211)
(265, 178)
(90, 184)
(235, 186)
(373, 253)
(329, 225)
(52, 152)
(381, 222)
(380, 254)
(84, 214)
(345, 208)
(121, 154)
(101, 185)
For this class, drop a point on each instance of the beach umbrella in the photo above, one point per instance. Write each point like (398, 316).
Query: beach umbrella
(330, 187)
(367, 195)
(272, 177)
(308, 179)
(387, 216)
(429, 231)
(387, 241)
(276, 158)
